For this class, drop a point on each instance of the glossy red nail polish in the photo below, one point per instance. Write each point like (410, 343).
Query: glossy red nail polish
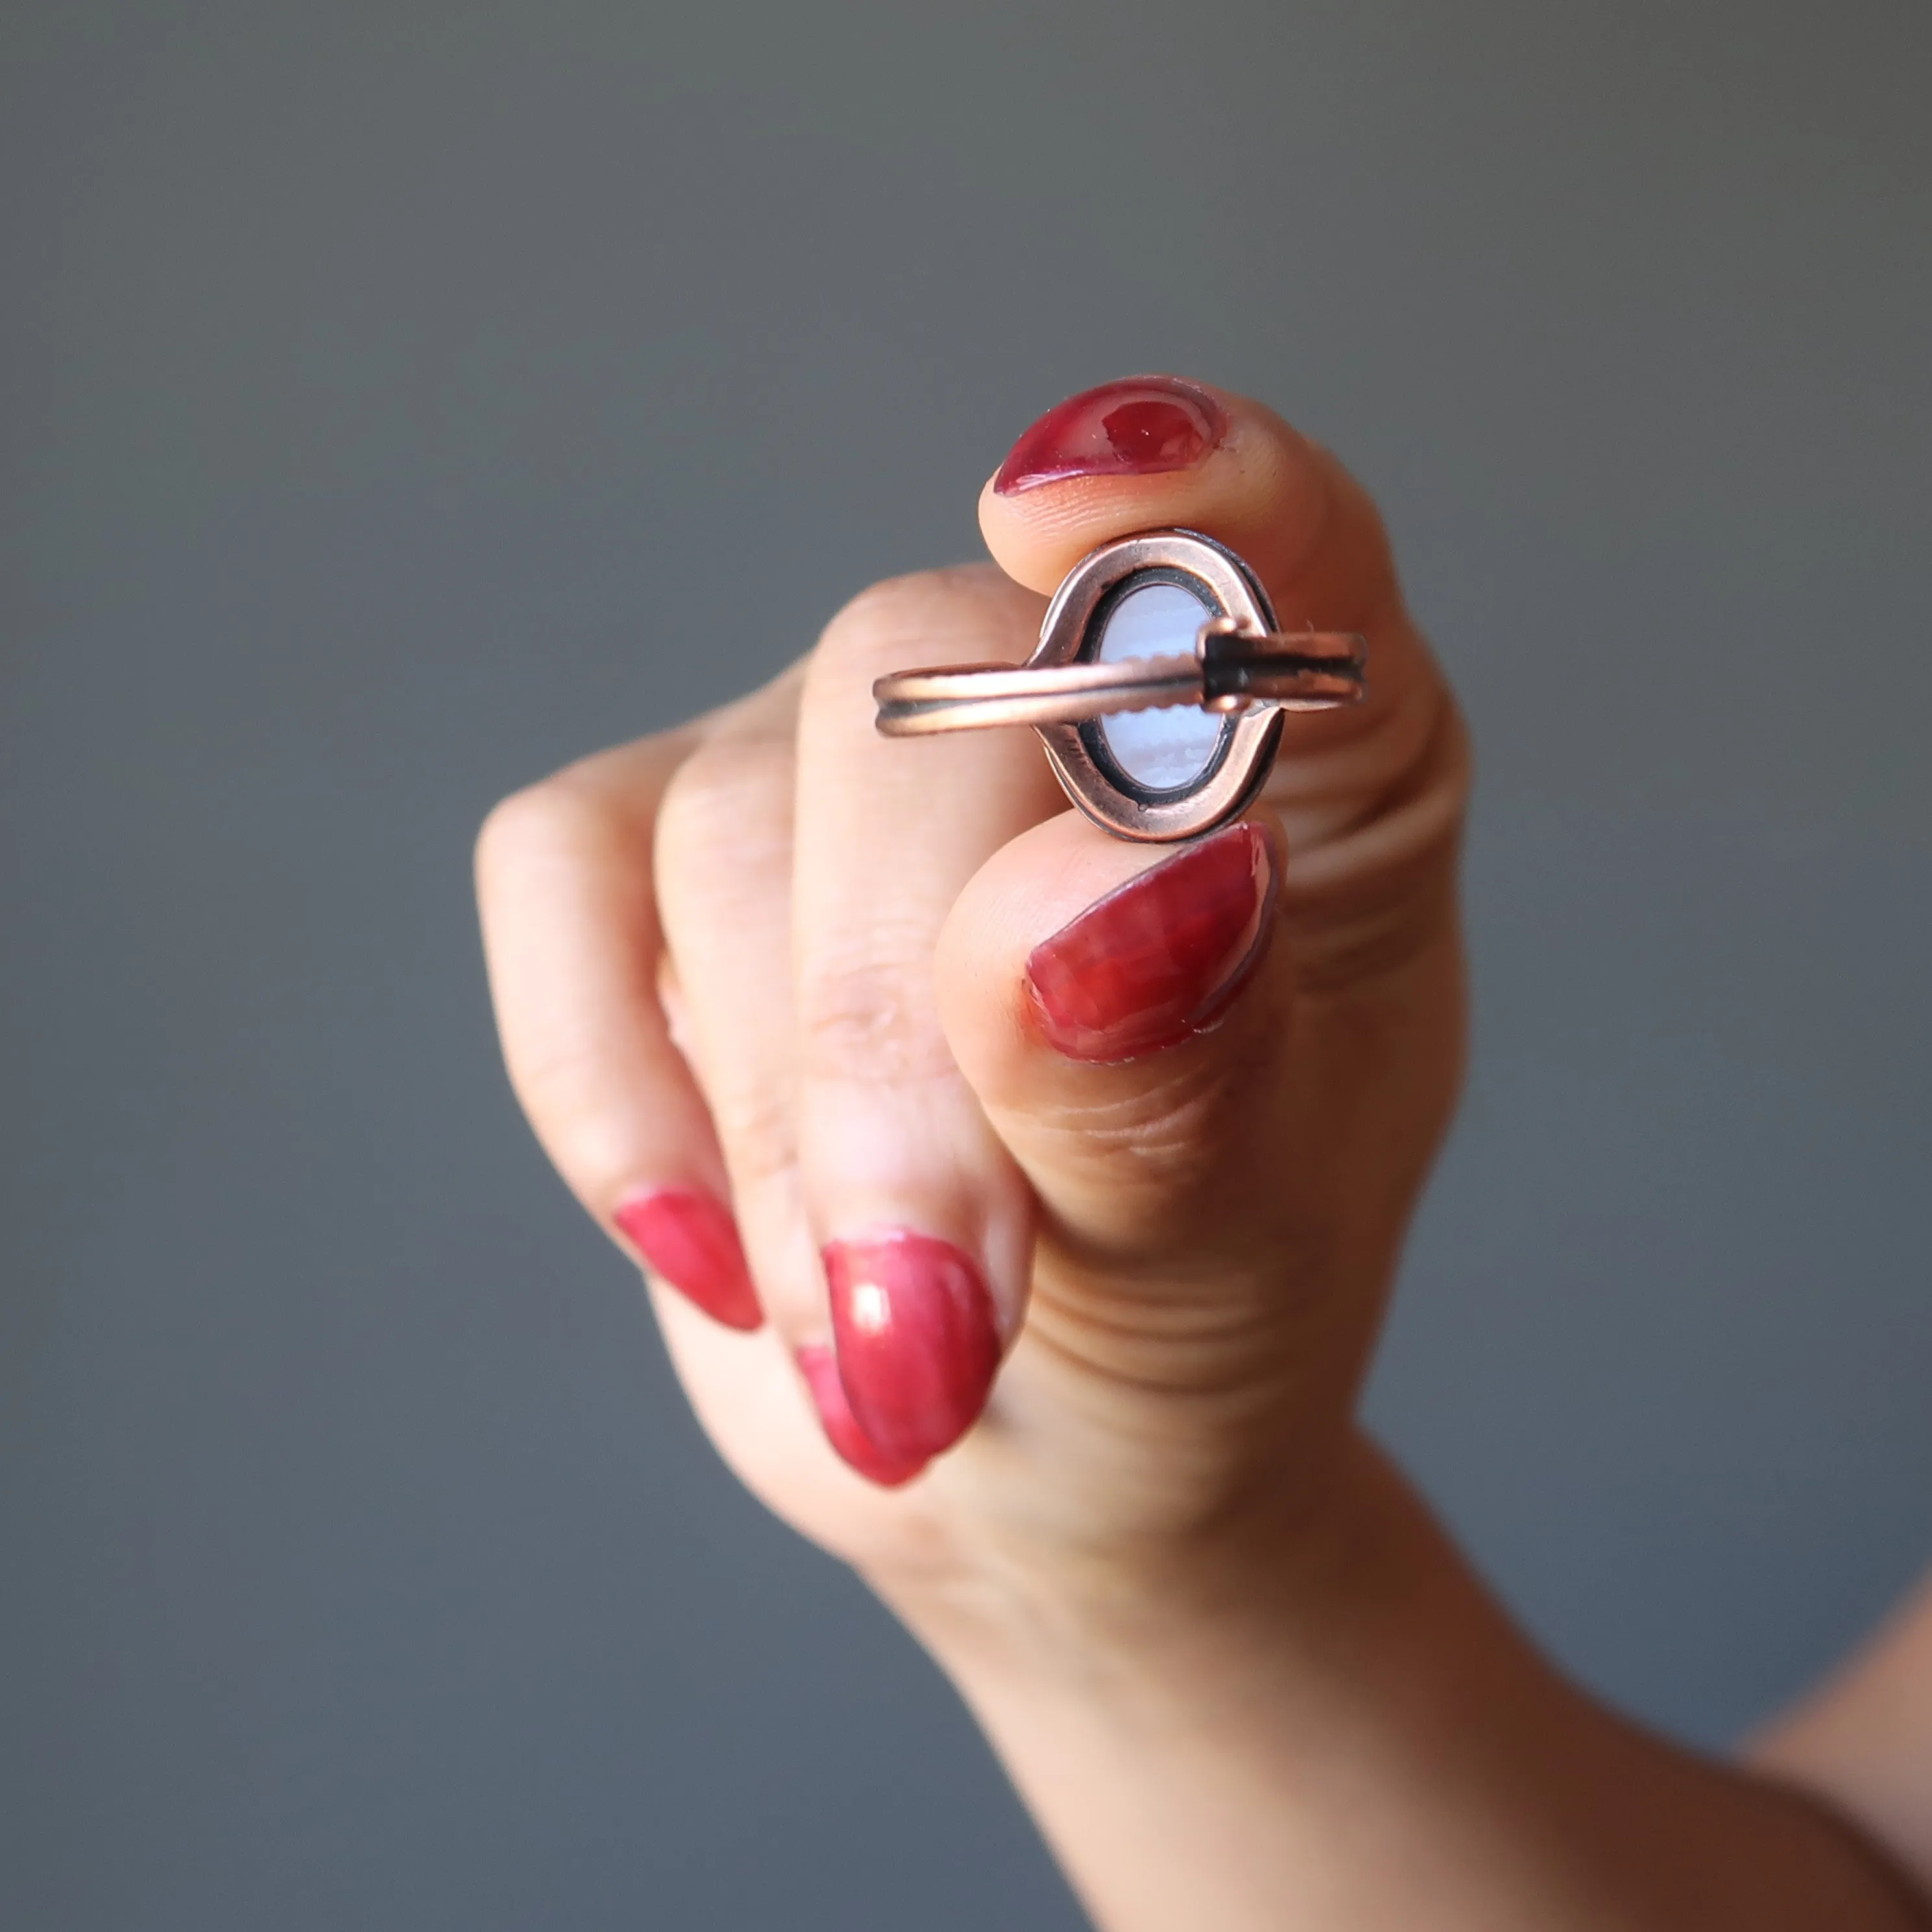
(1161, 958)
(1135, 428)
(917, 1339)
(689, 1238)
(856, 1449)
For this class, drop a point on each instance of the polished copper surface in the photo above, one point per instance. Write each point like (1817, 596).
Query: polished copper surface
(1242, 667)
(1300, 670)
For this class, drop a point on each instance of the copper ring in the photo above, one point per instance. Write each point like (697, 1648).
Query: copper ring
(1242, 668)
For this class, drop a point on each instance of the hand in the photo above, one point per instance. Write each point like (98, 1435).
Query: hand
(1116, 1143)
(1093, 1162)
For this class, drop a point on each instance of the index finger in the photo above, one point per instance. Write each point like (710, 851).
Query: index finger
(925, 1224)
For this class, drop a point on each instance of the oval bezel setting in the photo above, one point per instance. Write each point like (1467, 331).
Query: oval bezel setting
(1071, 632)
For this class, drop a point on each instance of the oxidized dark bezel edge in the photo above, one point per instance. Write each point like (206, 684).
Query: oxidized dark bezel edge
(1240, 767)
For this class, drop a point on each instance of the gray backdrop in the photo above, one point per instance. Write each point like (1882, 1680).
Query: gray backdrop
(400, 399)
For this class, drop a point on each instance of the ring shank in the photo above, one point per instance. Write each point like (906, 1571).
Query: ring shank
(978, 697)
(1230, 669)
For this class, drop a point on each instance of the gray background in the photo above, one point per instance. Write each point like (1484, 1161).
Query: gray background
(394, 397)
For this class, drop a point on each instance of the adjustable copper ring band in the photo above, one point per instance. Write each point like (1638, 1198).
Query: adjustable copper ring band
(1094, 663)
(1230, 669)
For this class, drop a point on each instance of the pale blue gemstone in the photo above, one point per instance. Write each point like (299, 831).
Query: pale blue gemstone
(1162, 750)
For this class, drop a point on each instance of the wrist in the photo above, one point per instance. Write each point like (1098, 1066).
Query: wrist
(1338, 1725)
(1278, 1562)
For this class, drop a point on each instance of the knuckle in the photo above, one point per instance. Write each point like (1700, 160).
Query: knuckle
(724, 823)
(721, 785)
(878, 624)
(1171, 1133)
(530, 827)
(885, 609)
(867, 1010)
(586, 806)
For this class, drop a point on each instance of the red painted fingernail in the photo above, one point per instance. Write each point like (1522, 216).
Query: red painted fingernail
(855, 1448)
(1161, 958)
(1134, 428)
(918, 1344)
(689, 1238)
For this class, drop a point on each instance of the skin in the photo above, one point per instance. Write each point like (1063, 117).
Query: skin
(1239, 1675)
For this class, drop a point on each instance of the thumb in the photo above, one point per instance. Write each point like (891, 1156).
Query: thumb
(1124, 1016)
(1223, 1070)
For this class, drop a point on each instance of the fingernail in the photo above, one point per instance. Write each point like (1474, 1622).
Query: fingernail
(1161, 958)
(856, 1449)
(1135, 428)
(688, 1237)
(918, 1344)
